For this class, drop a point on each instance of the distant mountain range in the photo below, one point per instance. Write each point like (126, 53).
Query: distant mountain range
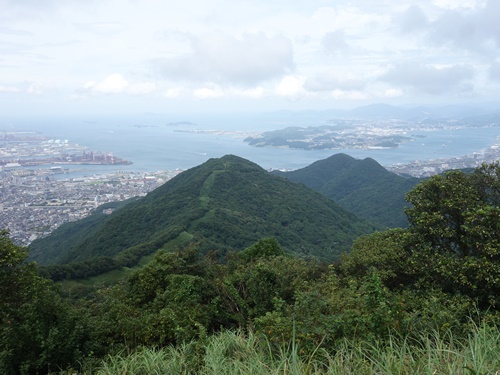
(362, 187)
(418, 113)
(224, 204)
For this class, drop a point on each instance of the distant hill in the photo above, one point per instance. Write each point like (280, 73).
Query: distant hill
(379, 111)
(416, 113)
(363, 187)
(224, 204)
(387, 111)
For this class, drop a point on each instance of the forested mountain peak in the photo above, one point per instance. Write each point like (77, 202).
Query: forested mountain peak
(223, 204)
(363, 187)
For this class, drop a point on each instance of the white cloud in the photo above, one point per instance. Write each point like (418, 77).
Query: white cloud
(350, 19)
(174, 92)
(113, 84)
(141, 88)
(253, 93)
(430, 79)
(349, 95)
(474, 29)
(117, 84)
(208, 93)
(291, 87)
(222, 58)
(329, 81)
(494, 71)
(212, 91)
(454, 4)
(101, 28)
(392, 93)
(219, 49)
(35, 89)
(89, 85)
(413, 19)
(334, 42)
(9, 89)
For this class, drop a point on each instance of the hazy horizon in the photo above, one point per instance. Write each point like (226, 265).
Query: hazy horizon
(111, 57)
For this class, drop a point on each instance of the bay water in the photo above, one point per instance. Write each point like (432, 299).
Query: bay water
(154, 143)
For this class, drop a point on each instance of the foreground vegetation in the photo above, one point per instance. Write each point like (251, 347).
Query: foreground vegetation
(236, 353)
(418, 300)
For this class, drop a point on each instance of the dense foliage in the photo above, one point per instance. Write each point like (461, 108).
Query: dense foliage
(224, 204)
(362, 187)
(433, 283)
(39, 331)
(452, 244)
(49, 251)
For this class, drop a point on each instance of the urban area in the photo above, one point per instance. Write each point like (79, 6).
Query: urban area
(36, 197)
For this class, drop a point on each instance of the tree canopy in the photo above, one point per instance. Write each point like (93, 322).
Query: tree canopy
(453, 241)
(38, 330)
(424, 279)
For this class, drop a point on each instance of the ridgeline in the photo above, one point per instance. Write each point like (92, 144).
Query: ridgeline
(224, 204)
(363, 187)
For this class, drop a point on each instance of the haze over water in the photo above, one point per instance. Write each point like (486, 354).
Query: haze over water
(153, 143)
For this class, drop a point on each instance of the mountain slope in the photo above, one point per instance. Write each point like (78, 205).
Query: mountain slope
(363, 187)
(224, 204)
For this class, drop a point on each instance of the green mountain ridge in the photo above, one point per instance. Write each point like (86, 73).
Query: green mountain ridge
(224, 204)
(363, 187)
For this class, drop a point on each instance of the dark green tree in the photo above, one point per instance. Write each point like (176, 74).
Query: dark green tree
(456, 219)
(267, 247)
(39, 332)
(452, 243)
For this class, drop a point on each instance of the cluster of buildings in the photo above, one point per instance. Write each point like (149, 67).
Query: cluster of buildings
(33, 205)
(29, 149)
(429, 168)
(20, 145)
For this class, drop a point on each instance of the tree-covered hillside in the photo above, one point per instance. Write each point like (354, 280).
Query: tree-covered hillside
(363, 187)
(224, 204)
(424, 299)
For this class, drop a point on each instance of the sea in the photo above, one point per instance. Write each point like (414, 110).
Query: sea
(167, 142)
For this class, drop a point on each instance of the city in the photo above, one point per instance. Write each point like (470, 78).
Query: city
(32, 207)
(35, 198)
(33, 202)
(427, 168)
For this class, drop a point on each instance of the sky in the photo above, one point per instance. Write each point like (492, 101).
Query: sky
(158, 56)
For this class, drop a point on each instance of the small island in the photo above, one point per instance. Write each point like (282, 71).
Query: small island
(328, 138)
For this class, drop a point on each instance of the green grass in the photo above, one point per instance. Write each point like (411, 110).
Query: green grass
(237, 353)
(207, 187)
